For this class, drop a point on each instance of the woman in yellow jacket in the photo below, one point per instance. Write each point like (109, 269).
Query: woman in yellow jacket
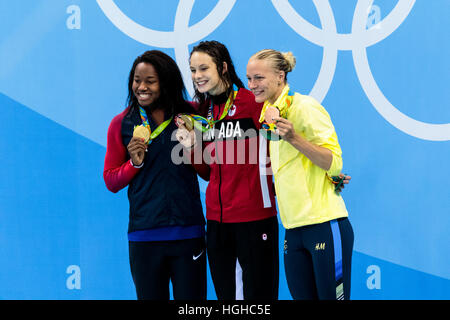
(304, 154)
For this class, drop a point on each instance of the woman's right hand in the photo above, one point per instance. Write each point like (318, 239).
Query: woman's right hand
(136, 149)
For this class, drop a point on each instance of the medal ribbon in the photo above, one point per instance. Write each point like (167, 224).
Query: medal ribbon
(283, 102)
(228, 105)
(337, 181)
(158, 130)
(204, 124)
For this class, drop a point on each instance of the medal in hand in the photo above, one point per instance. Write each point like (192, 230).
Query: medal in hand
(141, 132)
(185, 120)
(270, 115)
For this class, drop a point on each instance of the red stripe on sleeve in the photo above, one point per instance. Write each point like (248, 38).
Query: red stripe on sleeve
(118, 171)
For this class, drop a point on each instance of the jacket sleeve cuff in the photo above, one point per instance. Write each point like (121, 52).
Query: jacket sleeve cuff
(336, 166)
(137, 167)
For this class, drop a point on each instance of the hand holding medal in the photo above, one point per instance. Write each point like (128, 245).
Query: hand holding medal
(185, 132)
(284, 128)
(184, 120)
(138, 145)
(142, 137)
(142, 132)
(273, 117)
(269, 117)
(269, 123)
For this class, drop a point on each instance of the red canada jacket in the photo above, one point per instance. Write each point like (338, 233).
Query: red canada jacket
(236, 163)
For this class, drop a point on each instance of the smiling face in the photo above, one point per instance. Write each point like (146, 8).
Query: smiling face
(204, 74)
(146, 84)
(264, 81)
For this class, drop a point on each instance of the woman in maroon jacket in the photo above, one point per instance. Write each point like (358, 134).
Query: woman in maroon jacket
(242, 226)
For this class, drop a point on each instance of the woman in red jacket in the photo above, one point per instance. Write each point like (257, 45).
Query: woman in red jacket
(242, 224)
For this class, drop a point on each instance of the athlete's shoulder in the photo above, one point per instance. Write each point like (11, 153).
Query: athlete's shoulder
(304, 98)
(245, 96)
(306, 102)
(307, 108)
(194, 104)
(244, 93)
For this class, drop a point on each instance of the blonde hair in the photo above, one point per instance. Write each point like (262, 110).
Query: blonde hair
(280, 61)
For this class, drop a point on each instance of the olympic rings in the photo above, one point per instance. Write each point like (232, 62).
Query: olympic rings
(357, 41)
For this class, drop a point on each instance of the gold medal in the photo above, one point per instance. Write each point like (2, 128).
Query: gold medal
(141, 132)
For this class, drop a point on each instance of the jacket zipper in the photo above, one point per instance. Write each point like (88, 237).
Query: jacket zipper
(220, 179)
(220, 197)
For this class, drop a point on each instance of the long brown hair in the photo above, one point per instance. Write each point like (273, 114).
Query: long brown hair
(219, 54)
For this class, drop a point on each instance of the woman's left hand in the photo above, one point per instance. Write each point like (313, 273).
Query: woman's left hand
(344, 182)
(346, 178)
(285, 129)
(186, 137)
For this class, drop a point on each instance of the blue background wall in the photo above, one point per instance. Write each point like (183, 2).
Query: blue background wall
(63, 75)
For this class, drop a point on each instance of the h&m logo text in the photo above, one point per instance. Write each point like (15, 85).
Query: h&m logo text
(320, 246)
